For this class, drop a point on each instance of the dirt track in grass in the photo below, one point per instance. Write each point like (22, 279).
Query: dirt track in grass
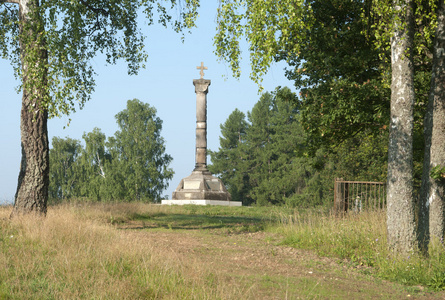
(255, 264)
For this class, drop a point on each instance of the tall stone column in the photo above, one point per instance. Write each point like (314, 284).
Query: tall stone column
(201, 187)
(201, 90)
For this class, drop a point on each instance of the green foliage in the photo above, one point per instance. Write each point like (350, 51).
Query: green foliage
(229, 161)
(255, 157)
(272, 139)
(341, 92)
(384, 14)
(132, 165)
(438, 172)
(334, 51)
(360, 240)
(64, 173)
(280, 30)
(138, 152)
(92, 164)
(70, 33)
(269, 27)
(267, 160)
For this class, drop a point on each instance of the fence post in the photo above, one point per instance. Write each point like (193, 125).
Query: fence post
(339, 195)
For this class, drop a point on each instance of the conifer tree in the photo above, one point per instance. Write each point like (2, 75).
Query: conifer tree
(229, 161)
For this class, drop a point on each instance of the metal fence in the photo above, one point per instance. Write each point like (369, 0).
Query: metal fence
(359, 195)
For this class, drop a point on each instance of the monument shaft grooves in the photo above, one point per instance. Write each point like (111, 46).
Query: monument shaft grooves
(201, 90)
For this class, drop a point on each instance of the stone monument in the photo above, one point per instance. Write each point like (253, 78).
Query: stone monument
(201, 187)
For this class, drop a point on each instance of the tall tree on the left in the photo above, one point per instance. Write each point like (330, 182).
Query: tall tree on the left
(50, 43)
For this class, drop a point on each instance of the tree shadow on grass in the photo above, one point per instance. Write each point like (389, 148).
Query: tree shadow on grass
(194, 222)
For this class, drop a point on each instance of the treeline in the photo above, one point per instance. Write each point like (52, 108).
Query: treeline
(266, 158)
(289, 148)
(131, 165)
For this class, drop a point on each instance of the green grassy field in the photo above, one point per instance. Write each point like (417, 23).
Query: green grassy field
(141, 251)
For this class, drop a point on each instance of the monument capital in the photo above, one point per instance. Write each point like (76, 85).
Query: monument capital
(201, 85)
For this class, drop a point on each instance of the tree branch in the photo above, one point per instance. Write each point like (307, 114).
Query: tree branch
(9, 1)
(7, 6)
(95, 10)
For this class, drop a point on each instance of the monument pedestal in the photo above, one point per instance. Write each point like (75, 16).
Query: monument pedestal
(201, 187)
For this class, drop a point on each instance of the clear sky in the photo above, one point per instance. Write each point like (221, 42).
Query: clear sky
(166, 84)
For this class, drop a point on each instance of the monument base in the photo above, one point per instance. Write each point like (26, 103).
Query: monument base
(201, 202)
(201, 188)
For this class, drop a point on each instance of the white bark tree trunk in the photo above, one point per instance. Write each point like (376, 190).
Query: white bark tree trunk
(400, 204)
(433, 190)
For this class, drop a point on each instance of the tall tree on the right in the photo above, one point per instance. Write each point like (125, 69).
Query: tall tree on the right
(400, 200)
(432, 195)
(276, 31)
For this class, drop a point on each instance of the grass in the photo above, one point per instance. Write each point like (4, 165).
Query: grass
(72, 254)
(187, 217)
(78, 251)
(359, 240)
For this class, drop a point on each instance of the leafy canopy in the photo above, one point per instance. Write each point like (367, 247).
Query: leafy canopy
(276, 29)
(73, 32)
(269, 26)
(131, 165)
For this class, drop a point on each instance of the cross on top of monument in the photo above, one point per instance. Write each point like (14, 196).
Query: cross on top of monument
(202, 68)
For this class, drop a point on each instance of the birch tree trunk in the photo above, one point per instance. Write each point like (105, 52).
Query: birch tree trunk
(432, 193)
(33, 180)
(400, 204)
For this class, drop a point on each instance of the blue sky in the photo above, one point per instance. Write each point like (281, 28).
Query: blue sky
(166, 84)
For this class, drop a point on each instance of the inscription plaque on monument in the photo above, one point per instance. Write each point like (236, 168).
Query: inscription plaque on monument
(201, 187)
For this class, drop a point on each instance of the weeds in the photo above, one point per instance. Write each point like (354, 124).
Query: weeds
(360, 240)
(71, 255)
(76, 251)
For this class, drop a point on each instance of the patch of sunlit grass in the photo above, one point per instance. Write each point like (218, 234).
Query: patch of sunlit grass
(73, 254)
(360, 240)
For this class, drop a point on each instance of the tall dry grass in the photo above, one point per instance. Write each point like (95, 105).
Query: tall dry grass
(361, 240)
(73, 254)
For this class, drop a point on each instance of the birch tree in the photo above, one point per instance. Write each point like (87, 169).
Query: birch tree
(278, 29)
(50, 44)
(400, 201)
(432, 197)
(138, 152)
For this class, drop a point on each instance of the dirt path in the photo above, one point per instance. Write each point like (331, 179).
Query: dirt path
(254, 262)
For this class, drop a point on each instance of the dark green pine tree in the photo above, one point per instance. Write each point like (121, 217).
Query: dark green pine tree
(229, 161)
(273, 142)
(286, 144)
(257, 159)
(257, 150)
